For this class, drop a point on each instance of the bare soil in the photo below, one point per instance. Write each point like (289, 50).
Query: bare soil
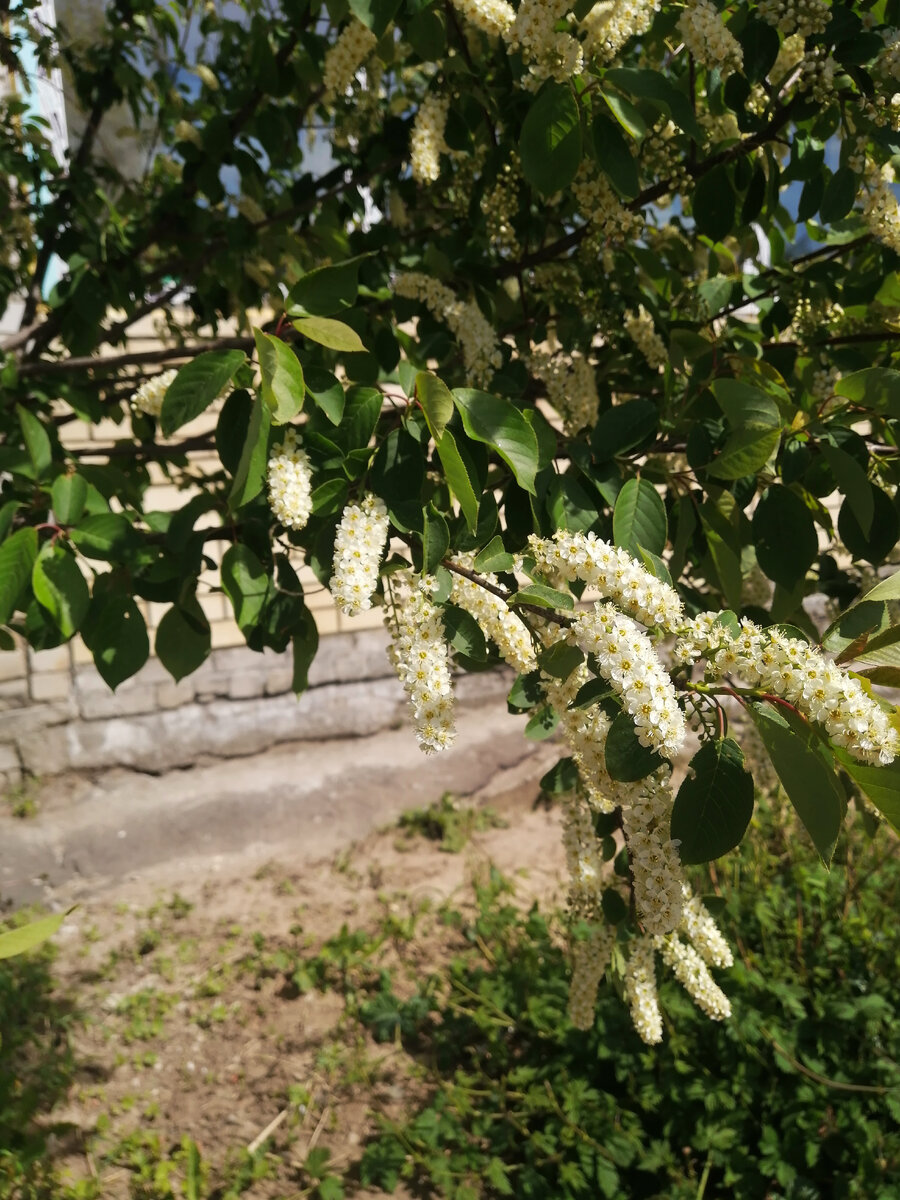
(192, 1027)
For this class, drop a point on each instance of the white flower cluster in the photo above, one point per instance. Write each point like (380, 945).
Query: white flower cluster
(804, 17)
(640, 328)
(640, 991)
(699, 926)
(358, 548)
(550, 53)
(653, 856)
(289, 479)
(498, 622)
(583, 858)
(693, 974)
(590, 959)
(881, 210)
(493, 17)
(150, 395)
(708, 40)
(344, 59)
(610, 24)
(473, 331)
(887, 65)
(571, 387)
(500, 204)
(427, 138)
(790, 668)
(613, 572)
(626, 659)
(599, 204)
(421, 659)
(789, 58)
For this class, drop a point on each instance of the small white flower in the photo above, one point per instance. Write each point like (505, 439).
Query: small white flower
(421, 659)
(358, 548)
(289, 479)
(150, 395)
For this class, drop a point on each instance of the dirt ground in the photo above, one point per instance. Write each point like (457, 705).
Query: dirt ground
(194, 1026)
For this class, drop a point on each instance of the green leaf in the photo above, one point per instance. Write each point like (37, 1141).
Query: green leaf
(493, 558)
(560, 660)
(327, 392)
(713, 204)
(615, 910)
(435, 538)
(745, 405)
(714, 805)
(304, 645)
(811, 786)
(569, 505)
(68, 496)
(543, 724)
(639, 518)
(660, 92)
(626, 759)
(116, 635)
(375, 15)
(106, 536)
(37, 441)
(615, 157)
(887, 589)
(283, 389)
(458, 478)
(251, 469)
(883, 533)
(543, 596)
(561, 778)
(328, 332)
(436, 401)
(784, 535)
(329, 496)
(326, 290)
(853, 482)
(183, 639)
(17, 557)
(840, 193)
(247, 585)
(875, 388)
(723, 541)
(464, 633)
(550, 144)
(625, 113)
(196, 385)
(526, 692)
(61, 588)
(745, 452)
(880, 784)
(880, 648)
(26, 937)
(623, 427)
(503, 427)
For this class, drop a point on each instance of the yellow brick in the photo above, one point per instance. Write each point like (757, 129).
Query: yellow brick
(80, 653)
(372, 619)
(225, 634)
(12, 664)
(326, 620)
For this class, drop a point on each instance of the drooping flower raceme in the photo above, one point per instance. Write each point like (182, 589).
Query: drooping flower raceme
(693, 974)
(289, 478)
(626, 659)
(345, 57)
(358, 549)
(150, 395)
(613, 572)
(498, 622)
(640, 991)
(794, 670)
(421, 659)
(427, 138)
(640, 328)
(653, 856)
(493, 17)
(590, 959)
(705, 35)
(610, 24)
(700, 927)
(550, 53)
(473, 331)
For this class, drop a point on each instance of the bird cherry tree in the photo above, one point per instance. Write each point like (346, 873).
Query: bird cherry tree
(580, 355)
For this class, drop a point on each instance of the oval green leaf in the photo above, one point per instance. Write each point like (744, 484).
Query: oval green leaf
(714, 804)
